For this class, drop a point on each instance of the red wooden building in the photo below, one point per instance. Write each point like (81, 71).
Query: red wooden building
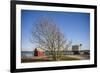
(38, 52)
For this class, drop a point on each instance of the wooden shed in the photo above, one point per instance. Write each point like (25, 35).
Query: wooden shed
(38, 52)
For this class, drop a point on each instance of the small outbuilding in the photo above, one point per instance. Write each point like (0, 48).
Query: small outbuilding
(38, 52)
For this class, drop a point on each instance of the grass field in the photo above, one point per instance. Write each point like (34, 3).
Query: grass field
(44, 59)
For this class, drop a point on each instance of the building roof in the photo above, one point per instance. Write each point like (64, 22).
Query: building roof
(39, 49)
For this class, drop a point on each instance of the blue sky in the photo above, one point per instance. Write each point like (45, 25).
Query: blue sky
(74, 25)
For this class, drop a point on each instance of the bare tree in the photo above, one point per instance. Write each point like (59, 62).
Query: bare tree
(48, 36)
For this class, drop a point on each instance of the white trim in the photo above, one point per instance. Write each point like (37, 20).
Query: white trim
(50, 64)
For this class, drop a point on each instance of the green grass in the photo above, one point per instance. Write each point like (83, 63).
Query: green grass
(44, 59)
(67, 58)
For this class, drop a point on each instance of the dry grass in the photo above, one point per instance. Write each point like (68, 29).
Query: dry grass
(44, 59)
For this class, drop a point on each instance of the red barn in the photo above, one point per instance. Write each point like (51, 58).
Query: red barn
(38, 52)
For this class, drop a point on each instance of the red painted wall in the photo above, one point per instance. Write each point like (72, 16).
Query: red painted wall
(40, 53)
